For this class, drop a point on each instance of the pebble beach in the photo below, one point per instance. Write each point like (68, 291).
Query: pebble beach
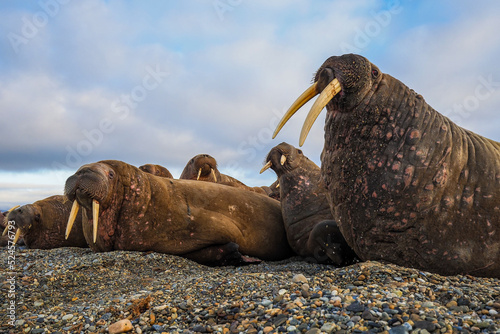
(72, 290)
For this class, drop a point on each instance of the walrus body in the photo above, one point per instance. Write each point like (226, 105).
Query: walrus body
(311, 230)
(43, 224)
(156, 170)
(142, 212)
(406, 184)
(203, 167)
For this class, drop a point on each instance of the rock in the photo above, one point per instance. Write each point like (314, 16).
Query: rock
(355, 307)
(121, 326)
(299, 278)
(67, 317)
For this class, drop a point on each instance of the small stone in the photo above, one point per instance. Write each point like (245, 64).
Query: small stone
(451, 304)
(313, 331)
(299, 278)
(327, 327)
(38, 303)
(268, 329)
(355, 307)
(266, 302)
(398, 330)
(493, 312)
(121, 326)
(67, 317)
(37, 331)
(427, 325)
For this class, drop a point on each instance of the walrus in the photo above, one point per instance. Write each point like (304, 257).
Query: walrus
(203, 167)
(406, 184)
(157, 170)
(309, 224)
(42, 224)
(125, 208)
(10, 232)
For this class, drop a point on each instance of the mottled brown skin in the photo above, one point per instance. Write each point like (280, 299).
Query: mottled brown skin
(407, 185)
(43, 224)
(207, 163)
(156, 170)
(142, 212)
(311, 230)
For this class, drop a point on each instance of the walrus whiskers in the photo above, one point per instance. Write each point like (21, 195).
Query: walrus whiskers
(72, 217)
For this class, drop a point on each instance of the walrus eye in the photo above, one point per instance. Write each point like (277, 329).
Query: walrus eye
(374, 73)
(111, 174)
(299, 151)
(37, 217)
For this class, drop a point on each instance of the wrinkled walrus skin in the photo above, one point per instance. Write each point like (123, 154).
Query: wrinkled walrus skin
(43, 224)
(142, 212)
(309, 223)
(407, 185)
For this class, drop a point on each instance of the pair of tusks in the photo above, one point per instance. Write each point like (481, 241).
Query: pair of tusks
(74, 212)
(6, 221)
(332, 89)
(269, 164)
(213, 173)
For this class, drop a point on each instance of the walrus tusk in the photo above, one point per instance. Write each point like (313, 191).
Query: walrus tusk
(95, 217)
(283, 160)
(16, 237)
(303, 99)
(5, 230)
(332, 89)
(215, 177)
(199, 173)
(72, 217)
(6, 221)
(266, 167)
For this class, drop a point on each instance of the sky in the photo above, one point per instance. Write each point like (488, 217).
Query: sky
(162, 81)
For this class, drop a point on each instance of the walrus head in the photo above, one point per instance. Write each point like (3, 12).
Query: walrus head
(282, 159)
(342, 83)
(202, 167)
(92, 187)
(5, 224)
(156, 170)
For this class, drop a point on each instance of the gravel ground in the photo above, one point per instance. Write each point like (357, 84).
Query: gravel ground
(72, 290)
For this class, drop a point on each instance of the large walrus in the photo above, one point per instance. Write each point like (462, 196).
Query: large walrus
(309, 223)
(203, 167)
(157, 170)
(406, 184)
(125, 208)
(42, 224)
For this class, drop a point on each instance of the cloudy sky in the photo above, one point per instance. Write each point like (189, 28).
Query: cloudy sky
(161, 81)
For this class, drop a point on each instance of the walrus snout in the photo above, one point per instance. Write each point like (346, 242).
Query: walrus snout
(88, 187)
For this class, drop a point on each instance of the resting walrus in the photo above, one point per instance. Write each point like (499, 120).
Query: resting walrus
(125, 208)
(42, 224)
(157, 170)
(407, 185)
(203, 167)
(309, 223)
